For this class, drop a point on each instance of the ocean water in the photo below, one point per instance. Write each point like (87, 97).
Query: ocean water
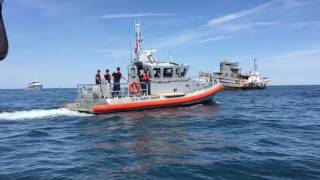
(259, 134)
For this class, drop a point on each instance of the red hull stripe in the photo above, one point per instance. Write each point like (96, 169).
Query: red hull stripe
(102, 108)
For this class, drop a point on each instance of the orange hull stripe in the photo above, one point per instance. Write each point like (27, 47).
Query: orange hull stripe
(157, 103)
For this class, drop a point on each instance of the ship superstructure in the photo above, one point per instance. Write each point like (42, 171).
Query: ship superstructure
(230, 75)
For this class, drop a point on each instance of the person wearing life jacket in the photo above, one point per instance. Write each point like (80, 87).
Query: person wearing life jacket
(107, 76)
(98, 77)
(146, 79)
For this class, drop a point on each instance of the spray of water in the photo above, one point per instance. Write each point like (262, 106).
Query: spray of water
(39, 114)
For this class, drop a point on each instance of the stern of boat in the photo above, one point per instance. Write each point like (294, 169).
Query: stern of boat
(80, 107)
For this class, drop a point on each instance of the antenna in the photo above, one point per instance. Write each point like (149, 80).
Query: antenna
(255, 67)
(131, 54)
(137, 49)
(139, 20)
(169, 54)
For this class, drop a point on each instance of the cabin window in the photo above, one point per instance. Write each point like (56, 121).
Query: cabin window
(183, 72)
(156, 73)
(133, 72)
(167, 72)
(180, 72)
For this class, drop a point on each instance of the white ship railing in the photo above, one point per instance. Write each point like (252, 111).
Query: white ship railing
(106, 91)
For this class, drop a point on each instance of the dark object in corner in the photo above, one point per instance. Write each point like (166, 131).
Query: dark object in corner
(3, 36)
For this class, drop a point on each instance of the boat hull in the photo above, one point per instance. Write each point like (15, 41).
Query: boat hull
(34, 88)
(254, 86)
(196, 98)
(179, 101)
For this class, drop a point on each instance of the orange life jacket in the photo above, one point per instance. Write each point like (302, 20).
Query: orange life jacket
(146, 77)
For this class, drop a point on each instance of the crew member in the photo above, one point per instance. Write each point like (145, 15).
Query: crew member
(107, 76)
(116, 81)
(98, 77)
(146, 79)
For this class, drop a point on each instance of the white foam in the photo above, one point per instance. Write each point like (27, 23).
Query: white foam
(39, 113)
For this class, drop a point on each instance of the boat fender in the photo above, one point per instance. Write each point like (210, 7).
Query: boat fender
(134, 88)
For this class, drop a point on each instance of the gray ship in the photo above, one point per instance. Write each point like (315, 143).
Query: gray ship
(230, 76)
(169, 85)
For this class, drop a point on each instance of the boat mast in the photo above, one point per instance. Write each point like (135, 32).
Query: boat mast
(130, 49)
(137, 49)
(255, 67)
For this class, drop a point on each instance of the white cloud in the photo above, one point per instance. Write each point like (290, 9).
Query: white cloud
(221, 28)
(133, 15)
(310, 24)
(211, 39)
(180, 39)
(292, 67)
(40, 4)
(294, 3)
(238, 27)
(305, 54)
(205, 32)
(112, 54)
(240, 14)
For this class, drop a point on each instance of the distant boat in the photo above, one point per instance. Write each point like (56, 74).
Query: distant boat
(255, 80)
(231, 77)
(35, 85)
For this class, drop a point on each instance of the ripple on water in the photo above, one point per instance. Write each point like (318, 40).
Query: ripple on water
(266, 134)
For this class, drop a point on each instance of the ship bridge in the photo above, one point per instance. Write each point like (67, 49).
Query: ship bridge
(158, 70)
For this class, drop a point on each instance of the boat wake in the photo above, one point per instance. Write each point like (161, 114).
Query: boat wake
(40, 113)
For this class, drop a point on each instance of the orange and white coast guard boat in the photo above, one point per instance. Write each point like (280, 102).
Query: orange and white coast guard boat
(169, 86)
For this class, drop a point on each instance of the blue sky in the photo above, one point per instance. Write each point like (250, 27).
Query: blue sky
(63, 42)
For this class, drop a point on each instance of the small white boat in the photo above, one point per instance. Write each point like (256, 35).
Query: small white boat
(35, 85)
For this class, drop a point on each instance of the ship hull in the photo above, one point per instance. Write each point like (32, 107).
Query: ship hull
(34, 88)
(228, 87)
(196, 98)
(254, 86)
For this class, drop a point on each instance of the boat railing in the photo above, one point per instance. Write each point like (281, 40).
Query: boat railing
(203, 81)
(110, 90)
(122, 90)
(208, 78)
(199, 84)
